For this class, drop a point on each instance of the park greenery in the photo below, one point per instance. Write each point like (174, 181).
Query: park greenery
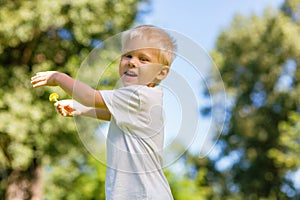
(42, 156)
(258, 58)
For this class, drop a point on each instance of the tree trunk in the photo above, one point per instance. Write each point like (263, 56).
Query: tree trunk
(25, 185)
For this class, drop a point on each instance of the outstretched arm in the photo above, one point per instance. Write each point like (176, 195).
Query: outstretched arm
(70, 108)
(98, 114)
(81, 92)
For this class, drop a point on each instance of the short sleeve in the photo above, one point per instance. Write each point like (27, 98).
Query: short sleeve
(123, 104)
(133, 106)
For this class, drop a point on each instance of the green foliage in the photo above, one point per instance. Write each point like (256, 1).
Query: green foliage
(75, 178)
(287, 153)
(258, 58)
(48, 35)
(189, 178)
(291, 9)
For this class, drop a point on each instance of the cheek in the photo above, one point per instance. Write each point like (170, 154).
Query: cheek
(121, 68)
(148, 75)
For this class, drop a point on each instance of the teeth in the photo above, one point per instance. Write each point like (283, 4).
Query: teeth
(130, 73)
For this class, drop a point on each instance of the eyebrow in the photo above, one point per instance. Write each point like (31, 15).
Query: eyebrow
(148, 55)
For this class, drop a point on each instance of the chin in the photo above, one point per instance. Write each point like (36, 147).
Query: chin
(125, 84)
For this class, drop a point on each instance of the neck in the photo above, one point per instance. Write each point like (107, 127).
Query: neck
(151, 85)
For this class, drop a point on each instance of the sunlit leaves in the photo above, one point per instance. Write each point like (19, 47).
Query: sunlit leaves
(258, 57)
(288, 151)
(45, 35)
(291, 8)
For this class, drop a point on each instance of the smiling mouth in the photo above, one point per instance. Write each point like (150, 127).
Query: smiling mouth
(131, 74)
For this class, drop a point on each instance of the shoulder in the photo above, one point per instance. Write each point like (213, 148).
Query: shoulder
(138, 90)
(144, 93)
(134, 95)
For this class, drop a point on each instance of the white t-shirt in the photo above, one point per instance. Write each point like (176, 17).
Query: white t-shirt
(135, 144)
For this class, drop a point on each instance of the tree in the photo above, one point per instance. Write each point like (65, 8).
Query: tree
(45, 35)
(291, 9)
(259, 58)
(192, 181)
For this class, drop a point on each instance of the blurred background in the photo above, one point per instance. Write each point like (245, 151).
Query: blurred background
(254, 44)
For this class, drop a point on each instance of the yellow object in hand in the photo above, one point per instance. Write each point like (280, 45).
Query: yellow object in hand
(53, 97)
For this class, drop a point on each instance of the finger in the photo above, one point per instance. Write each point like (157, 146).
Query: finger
(70, 115)
(58, 105)
(68, 109)
(67, 114)
(41, 73)
(58, 108)
(62, 112)
(37, 79)
(39, 84)
(38, 75)
(34, 78)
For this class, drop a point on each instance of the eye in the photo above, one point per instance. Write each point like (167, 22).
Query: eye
(144, 59)
(127, 56)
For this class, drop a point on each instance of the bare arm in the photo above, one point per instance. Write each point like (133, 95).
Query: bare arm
(81, 92)
(70, 108)
(98, 114)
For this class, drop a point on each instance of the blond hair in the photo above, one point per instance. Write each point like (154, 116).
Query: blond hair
(157, 36)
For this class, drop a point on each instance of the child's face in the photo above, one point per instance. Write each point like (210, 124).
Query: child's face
(140, 66)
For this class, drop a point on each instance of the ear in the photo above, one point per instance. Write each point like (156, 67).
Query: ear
(163, 73)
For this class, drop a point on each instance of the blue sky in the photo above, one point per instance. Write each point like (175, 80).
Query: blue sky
(202, 20)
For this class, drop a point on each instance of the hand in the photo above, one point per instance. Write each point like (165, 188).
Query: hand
(47, 78)
(70, 108)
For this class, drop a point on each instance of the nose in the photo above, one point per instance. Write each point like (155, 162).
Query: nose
(133, 62)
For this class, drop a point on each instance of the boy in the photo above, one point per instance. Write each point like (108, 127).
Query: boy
(135, 138)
